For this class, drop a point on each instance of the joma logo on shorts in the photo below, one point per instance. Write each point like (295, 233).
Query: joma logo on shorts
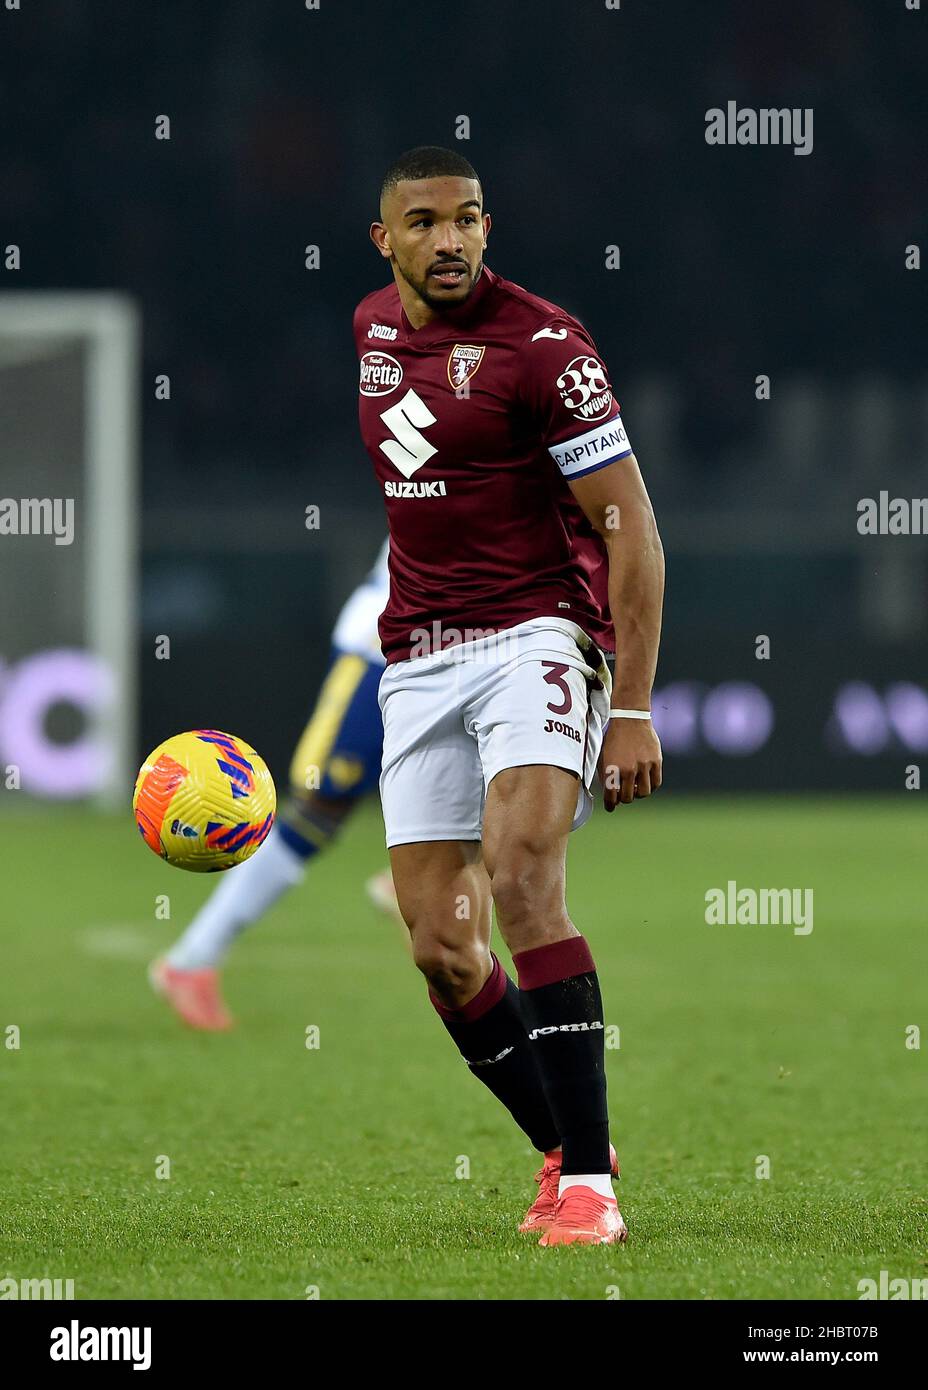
(436, 489)
(554, 726)
(565, 1028)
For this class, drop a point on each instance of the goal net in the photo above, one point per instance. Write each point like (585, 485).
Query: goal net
(68, 545)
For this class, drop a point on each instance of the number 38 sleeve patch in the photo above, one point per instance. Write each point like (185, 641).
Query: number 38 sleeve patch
(570, 397)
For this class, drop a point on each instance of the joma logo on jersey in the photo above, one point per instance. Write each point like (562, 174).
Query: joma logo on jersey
(380, 330)
(554, 726)
(380, 374)
(566, 1028)
(585, 388)
(463, 363)
(436, 489)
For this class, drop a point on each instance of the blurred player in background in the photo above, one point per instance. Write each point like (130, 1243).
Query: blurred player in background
(337, 761)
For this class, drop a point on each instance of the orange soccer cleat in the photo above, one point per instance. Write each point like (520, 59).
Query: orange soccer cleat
(540, 1214)
(583, 1217)
(194, 995)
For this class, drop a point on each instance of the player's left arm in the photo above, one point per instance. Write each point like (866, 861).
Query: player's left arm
(617, 504)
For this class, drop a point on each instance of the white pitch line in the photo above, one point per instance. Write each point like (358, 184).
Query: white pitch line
(120, 941)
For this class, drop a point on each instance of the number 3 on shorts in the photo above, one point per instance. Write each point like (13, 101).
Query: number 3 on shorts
(555, 676)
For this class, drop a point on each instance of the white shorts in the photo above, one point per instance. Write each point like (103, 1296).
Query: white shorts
(535, 693)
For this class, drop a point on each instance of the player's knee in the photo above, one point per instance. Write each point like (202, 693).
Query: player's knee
(453, 969)
(527, 886)
(309, 821)
(314, 804)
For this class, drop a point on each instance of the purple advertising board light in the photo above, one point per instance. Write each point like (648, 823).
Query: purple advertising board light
(29, 690)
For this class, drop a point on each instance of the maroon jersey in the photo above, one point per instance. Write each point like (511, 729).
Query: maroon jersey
(474, 423)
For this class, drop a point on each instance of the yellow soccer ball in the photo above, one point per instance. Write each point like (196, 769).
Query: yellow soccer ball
(204, 800)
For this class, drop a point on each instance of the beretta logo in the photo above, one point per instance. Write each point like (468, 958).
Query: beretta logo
(463, 363)
(380, 374)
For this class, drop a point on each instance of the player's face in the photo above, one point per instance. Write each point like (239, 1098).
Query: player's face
(435, 231)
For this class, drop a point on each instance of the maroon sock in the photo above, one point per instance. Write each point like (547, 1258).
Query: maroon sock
(563, 1011)
(490, 1034)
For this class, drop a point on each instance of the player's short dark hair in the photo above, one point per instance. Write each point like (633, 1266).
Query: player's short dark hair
(427, 162)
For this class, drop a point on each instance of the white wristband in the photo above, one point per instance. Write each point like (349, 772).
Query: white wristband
(629, 714)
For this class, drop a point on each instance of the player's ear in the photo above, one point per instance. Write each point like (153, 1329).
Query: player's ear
(487, 224)
(381, 238)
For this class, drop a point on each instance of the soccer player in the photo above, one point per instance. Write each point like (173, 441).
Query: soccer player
(523, 547)
(337, 761)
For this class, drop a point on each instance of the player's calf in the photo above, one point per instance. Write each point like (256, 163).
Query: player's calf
(444, 897)
(526, 823)
(445, 900)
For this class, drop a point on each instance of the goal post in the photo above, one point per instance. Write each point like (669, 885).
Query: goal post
(38, 329)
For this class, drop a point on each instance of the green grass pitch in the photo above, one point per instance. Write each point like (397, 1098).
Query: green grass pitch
(337, 1168)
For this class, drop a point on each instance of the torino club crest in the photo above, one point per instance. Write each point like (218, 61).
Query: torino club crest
(463, 363)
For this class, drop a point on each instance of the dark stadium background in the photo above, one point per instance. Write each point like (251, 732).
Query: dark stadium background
(735, 262)
(766, 1084)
